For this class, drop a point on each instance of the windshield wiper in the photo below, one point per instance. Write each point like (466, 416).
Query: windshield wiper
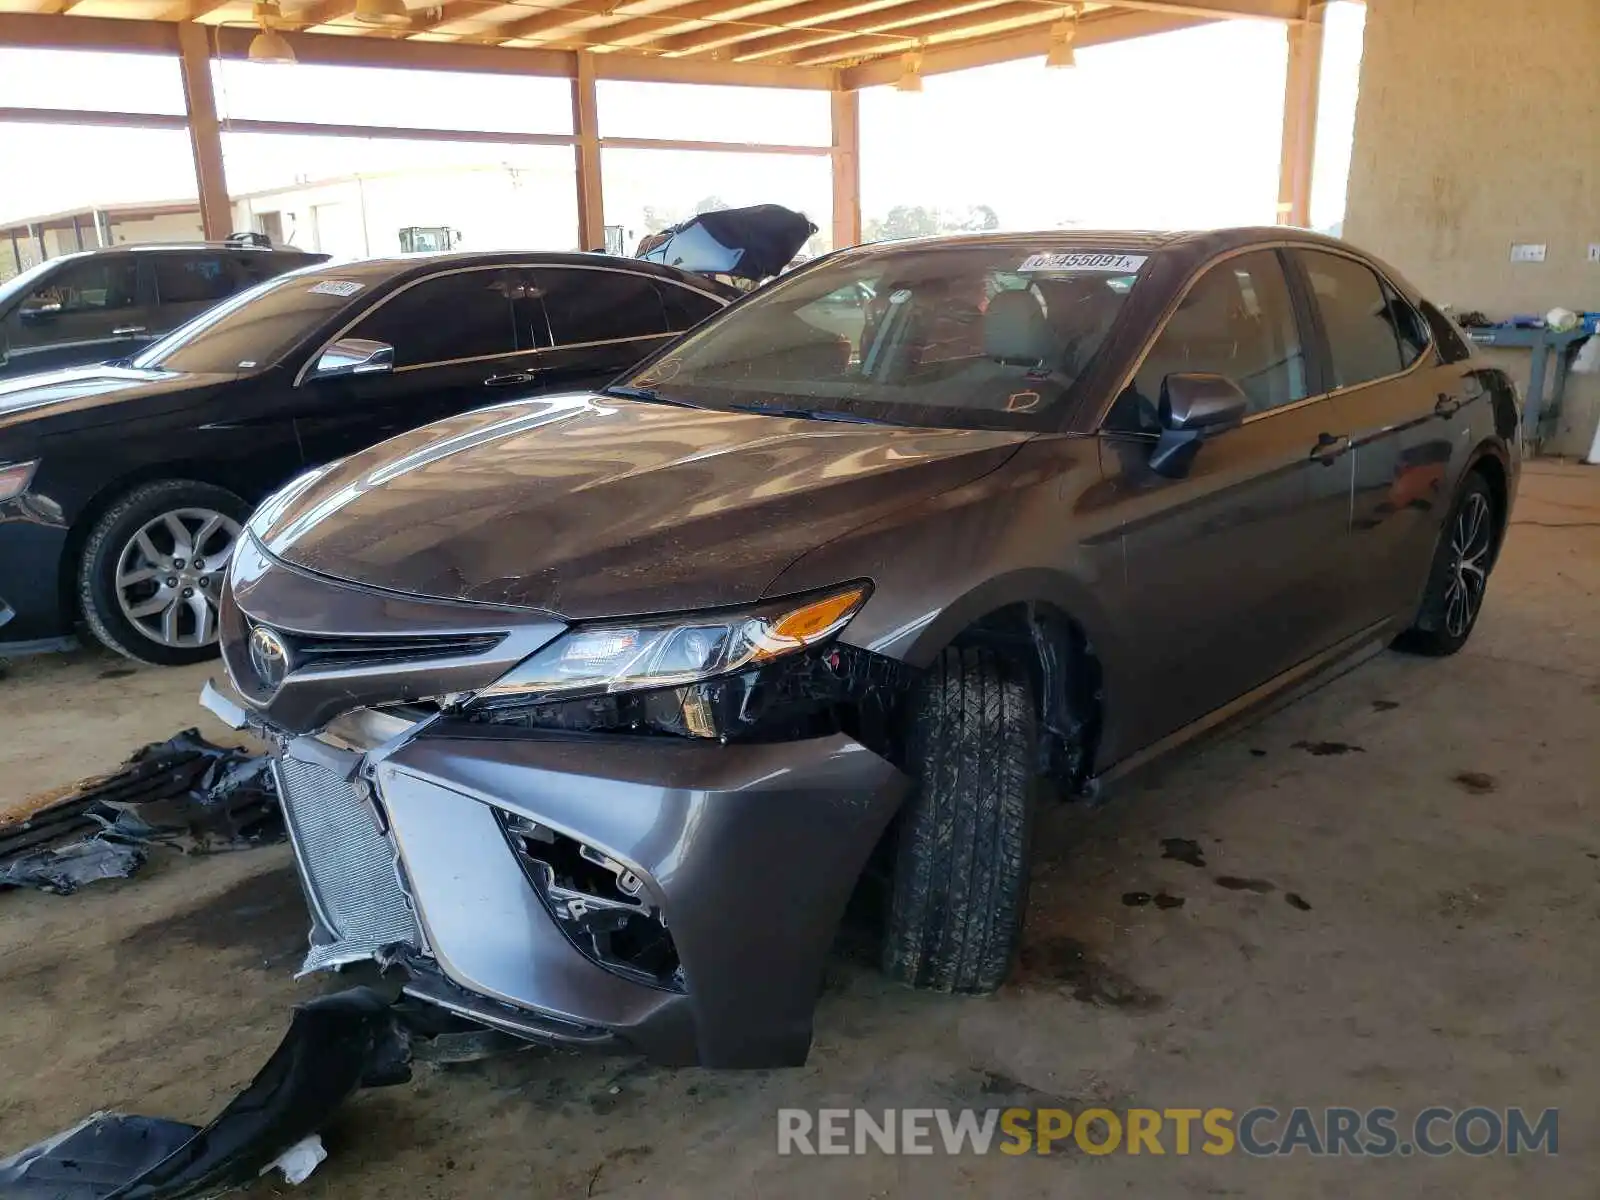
(624, 391)
(810, 414)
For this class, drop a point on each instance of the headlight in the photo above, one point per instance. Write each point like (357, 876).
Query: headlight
(602, 659)
(14, 478)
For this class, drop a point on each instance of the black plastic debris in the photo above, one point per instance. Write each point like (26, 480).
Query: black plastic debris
(335, 1046)
(744, 243)
(185, 793)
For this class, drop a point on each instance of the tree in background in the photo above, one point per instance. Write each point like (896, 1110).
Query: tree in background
(711, 204)
(909, 221)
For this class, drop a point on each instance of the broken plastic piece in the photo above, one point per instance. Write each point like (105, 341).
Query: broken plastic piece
(299, 1160)
(335, 1045)
(64, 869)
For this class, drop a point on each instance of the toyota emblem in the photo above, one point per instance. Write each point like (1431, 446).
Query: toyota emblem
(269, 657)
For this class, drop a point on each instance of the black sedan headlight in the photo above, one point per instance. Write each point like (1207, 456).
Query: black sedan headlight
(770, 672)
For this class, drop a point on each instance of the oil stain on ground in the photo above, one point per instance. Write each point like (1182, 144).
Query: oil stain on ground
(1322, 749)
(1476, 782)
(264, 915)
(1296, 900)
(1235, 883)
(1183, 850)
(1161, 900)
(1068, 961)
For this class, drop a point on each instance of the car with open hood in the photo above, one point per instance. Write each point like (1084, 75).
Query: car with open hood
(124, 486)
(590, 712)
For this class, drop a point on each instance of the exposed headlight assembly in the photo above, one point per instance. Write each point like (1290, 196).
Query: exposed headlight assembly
(602, 660)
(14, 478)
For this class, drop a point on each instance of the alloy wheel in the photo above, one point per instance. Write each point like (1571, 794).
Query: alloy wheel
(169, 576)
(1470, 542)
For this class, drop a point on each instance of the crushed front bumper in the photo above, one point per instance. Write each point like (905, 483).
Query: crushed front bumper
(751, 852)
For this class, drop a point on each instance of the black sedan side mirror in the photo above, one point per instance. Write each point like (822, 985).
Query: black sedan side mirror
(354, 356)
(1194, 406)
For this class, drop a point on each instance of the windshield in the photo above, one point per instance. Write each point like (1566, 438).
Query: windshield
(253, 329)
(978, 336)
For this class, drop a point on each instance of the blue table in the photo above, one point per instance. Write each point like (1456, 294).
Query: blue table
(1539, 342)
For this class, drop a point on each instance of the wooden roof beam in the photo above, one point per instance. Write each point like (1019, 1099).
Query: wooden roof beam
(645, 30)
(910, 37)
(877, 22)
(1030, 42)
(193, 10)
(323, 12)
(810, 15)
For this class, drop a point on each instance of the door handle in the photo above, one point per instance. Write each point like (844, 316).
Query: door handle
(1329, 447)
(129, 330)
(1447, 405)
(507, 380)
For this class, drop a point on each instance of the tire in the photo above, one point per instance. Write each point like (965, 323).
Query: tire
(960, 875)
(113, 549)
(1453, 598)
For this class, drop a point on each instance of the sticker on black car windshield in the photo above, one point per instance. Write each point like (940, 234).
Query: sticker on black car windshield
(335, 287)
(1078, 260)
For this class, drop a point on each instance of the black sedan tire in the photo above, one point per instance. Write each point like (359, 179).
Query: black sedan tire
(961, 860)
(1459, 575)
(150, 579)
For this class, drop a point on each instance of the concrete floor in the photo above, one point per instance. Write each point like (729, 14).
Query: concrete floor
(1450, 860)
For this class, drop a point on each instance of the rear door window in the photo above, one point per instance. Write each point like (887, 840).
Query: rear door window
(586, 305)
(1357, 318)
(446, 318)
(193, 278)
(685, 307)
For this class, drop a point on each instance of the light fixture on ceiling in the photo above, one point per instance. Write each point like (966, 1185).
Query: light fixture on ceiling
(910, 72)
(269, 46)
(1063, 42)
(393, 13)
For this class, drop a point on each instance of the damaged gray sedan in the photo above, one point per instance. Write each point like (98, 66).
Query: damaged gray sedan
(591, 711)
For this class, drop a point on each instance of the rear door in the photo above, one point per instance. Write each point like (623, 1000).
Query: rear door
(455, 345)
(1384, 379)
(86, 311)
(1226, 569)
(602, 321)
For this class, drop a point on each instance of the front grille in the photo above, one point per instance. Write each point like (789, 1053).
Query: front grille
(348, 866)
(328, 653)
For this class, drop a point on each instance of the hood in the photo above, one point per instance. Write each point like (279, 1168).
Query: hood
(92, 394)
(586, 506)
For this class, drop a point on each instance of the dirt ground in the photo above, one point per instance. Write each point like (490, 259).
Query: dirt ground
(1434, 820)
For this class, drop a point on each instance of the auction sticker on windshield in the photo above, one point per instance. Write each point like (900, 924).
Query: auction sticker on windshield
(335, 287)
(1117, 264)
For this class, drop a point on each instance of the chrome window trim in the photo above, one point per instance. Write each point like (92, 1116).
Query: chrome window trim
(1239, 251)
(311, 360)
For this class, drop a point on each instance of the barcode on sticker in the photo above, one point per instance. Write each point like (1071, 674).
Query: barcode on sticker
(336, 287)
(1120, 264)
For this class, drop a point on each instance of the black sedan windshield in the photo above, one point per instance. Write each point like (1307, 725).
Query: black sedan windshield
(981, 336)
(254, 329)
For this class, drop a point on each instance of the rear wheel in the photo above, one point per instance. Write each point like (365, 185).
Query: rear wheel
(152, 570)
(961, 858)
(1459, 576)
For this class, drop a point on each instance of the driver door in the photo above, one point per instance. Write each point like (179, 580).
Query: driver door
(1227, 569)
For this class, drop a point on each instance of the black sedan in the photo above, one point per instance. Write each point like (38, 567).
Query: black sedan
(123, 487)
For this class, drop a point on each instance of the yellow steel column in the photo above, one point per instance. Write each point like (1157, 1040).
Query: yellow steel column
(205, 136)
(1300, 95)
(586, 125)
(846, 160)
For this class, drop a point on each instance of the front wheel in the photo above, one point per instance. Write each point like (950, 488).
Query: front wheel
(152, 570)
(1459, 575)
(961, 858)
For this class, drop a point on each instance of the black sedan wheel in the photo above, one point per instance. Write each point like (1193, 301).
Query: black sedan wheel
(1460, 574)
(152, 570)
(961, 861)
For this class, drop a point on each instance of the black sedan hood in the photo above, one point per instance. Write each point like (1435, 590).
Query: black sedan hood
(587, 506)
(85, 395)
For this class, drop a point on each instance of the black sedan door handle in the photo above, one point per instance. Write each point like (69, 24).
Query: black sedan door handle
(1447, 405)
(1329, 447)
(507, 380)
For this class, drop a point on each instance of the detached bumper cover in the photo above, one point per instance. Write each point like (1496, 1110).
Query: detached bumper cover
(753, 851)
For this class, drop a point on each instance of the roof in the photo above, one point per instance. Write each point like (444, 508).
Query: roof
(778, 42)
(372, 270)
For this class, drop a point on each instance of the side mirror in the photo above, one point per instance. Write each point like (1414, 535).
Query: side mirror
(1194, 406)
(354, 356)
(42, 315)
